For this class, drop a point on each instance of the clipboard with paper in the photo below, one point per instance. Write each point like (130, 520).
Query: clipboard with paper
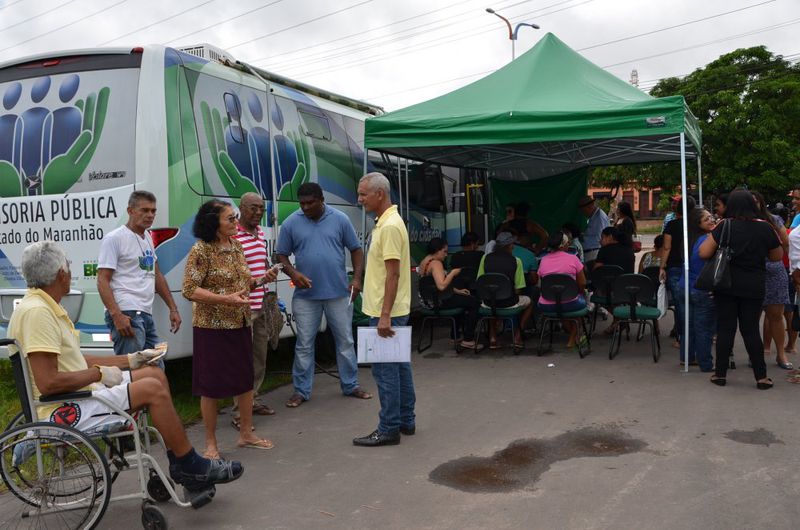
(373, 348)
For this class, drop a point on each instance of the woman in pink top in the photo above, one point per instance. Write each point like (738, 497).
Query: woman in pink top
(559, 261)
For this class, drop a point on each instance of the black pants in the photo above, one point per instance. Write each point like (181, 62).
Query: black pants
(747, 313)
(470, 304)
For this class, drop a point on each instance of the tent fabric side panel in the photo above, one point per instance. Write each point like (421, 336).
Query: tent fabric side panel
(553, 200)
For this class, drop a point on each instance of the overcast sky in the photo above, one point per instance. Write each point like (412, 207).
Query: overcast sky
(398, 52)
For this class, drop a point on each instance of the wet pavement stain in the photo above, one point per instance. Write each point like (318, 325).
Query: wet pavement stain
(523, 461)
(758, 436)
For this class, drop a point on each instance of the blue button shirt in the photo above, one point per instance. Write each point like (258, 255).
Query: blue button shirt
(319, 251)
(591, 236)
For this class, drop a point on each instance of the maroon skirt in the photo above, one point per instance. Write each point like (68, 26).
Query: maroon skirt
(222, 362)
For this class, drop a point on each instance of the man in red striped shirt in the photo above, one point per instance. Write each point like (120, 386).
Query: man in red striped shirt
(254, 244)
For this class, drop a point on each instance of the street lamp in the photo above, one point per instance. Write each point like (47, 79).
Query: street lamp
(512, 34)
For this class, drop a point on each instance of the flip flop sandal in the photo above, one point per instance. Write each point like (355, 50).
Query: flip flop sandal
(262, 444)
(260, 409)
(295, 401)
(795, 379)
(237, 424)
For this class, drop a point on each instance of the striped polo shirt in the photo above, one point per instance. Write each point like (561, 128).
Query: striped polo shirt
(255, 252)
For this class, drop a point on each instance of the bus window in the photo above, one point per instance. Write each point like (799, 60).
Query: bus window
(425, 187)
(315, 126)
(234, 112)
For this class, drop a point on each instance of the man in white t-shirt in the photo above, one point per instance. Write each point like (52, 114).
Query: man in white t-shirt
(128, 278)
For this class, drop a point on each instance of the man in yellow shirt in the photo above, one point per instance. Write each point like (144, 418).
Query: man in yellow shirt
(387, 301)
(52, 350)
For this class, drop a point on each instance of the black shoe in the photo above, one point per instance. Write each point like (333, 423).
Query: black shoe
(218, 472)
(377, 438)
(732, 365)
(408, 431)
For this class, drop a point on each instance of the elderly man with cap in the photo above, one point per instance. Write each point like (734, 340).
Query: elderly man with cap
(598, 220)
(502, 261)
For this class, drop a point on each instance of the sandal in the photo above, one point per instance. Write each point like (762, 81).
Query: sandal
(470, 344)
(719, 381)
(360, 394)
(764, 384)
(493, 345)
(259, 409)
(236, 423)
(261, 443)
(795, 379)
(295, 401)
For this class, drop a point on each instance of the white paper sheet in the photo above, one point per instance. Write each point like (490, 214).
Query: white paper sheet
(375, 349)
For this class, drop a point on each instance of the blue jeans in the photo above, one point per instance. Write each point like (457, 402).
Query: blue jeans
(395, 389)
(308, 316)
(702, 327)
(675, 287)
(144, 334)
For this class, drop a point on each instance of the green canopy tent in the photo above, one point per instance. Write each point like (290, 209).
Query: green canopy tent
(548, 112)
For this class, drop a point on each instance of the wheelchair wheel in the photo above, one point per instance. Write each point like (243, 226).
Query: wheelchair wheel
(19, 419)
(56, 476)
(153, 518)
(157, 490)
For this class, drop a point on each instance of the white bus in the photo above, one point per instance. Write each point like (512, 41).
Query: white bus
(80, 130)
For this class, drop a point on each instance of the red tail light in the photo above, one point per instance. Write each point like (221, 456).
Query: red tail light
(137, 49)
(161, 235)
(52, 62)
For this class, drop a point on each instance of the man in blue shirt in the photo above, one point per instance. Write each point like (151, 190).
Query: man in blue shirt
(318, 236)
(598, 220)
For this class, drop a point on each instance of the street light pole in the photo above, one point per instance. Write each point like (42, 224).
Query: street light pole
(512, 33)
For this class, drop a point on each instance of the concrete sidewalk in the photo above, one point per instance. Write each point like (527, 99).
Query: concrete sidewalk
(508, 441)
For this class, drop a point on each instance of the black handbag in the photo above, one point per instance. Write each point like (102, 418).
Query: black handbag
(716, 273)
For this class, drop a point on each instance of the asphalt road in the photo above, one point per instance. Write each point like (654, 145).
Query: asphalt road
(523, 441)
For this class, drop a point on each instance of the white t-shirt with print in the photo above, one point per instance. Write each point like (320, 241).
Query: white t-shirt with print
(133, 260)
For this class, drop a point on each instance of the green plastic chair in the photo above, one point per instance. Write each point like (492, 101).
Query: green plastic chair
(560, 287)
(433, 297)
(634, 295)
(490, 288)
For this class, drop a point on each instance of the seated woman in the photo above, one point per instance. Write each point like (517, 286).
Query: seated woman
(655, 257)
(433, 265)
(559, 261)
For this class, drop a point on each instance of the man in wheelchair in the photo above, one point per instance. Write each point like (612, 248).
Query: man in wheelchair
(51, 346)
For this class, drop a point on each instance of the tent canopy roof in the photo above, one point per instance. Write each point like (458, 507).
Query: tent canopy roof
(549, 111)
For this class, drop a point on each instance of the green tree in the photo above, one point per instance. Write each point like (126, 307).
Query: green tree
(748, 104)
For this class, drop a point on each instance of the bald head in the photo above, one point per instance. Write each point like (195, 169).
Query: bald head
(251, 210)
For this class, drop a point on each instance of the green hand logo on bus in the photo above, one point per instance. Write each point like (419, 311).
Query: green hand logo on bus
(10, 184)
(65, 170)
(235, 184)
(287, 196)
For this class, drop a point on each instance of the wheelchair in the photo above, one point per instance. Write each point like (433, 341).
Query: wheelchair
(55, 476)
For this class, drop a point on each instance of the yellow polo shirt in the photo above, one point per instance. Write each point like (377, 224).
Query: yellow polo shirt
(42, 325)
(389, 241)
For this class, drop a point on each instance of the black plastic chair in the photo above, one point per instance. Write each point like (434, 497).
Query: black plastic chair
(559, 287)
(633, 296)
(490, 288)
(602, 279)
(433, 297)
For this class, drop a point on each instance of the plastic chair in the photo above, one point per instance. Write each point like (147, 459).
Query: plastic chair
(633, 296)
(602, 279)
(433, 297)
(561, 287)
(490, 288)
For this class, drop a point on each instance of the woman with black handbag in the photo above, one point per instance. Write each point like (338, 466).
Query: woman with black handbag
(749, 241)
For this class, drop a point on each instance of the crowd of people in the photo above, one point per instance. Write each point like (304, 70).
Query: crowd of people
(235, 316)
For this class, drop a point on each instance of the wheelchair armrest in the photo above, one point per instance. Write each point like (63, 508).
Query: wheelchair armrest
(6, 342)
(65, 397)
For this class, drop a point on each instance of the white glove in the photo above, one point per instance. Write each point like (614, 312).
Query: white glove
(110, 375)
